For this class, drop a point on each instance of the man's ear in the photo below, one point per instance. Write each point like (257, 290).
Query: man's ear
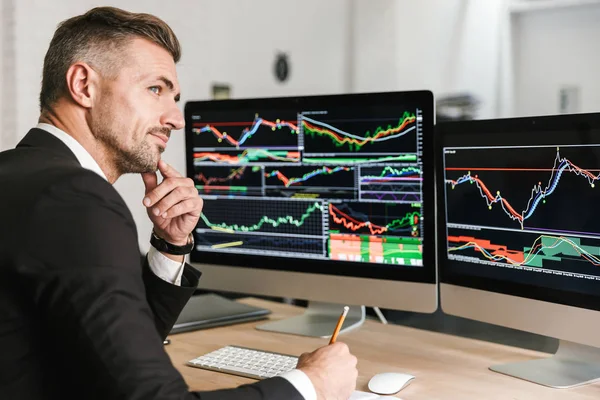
(82, 83)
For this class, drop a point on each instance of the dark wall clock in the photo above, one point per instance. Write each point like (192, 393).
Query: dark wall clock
(282, 67)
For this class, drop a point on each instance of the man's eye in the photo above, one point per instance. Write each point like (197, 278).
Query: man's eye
(155, 89)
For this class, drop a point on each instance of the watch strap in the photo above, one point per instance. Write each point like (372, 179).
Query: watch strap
(163, 246)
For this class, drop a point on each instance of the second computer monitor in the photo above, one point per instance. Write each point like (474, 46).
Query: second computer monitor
(519, 231)
(324, 198)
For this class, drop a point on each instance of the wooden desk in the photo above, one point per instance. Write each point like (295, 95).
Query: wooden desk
(445, 366)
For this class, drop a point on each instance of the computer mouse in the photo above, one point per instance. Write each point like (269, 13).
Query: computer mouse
(389, 382)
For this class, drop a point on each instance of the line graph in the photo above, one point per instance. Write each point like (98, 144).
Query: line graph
(543, 249)
(390, 183)
(255, 225)
(389, 174)
(524, 208)
(537, 194)
(248, 156)
(232, 174)
(374, 218)
(266, 220)
(244, 180)
(299, 180)
(325, 181)
(258, 133)
(396, 158)
(340, 138)
(254, 215)
(333, 135)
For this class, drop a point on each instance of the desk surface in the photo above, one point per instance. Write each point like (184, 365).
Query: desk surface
(445, 366)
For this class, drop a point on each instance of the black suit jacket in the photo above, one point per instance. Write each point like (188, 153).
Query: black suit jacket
(80, 318)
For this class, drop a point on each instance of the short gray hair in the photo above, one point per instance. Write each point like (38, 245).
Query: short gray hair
(94, 38)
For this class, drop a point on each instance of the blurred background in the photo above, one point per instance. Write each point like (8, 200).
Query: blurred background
(481, 58)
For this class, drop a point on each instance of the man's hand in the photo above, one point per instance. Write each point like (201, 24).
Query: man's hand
(174, 206)
(332, 371)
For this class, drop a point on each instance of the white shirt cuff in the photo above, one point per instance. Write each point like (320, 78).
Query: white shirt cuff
(301, 382)
(165, 268)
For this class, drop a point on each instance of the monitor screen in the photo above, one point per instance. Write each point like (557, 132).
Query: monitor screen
(338, 184)
(518, 207)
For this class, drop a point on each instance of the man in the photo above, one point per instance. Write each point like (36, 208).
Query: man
(80, 318)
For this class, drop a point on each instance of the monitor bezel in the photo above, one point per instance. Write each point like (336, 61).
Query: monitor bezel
(424, 99)
(582, 123)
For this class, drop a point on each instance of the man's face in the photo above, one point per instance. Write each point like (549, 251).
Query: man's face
(135, 112)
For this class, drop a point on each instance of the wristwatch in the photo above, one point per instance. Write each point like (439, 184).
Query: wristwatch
(162, 245)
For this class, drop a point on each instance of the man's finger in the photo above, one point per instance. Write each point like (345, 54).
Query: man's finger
(177, 195)
(150, 181)
(167, 171)
(189, 206)
(166, 187)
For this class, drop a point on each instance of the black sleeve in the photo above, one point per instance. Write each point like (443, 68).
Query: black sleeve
(87, 286)
(271, 389)
(167, 300)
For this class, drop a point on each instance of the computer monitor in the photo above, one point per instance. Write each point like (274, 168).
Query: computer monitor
(519, 231)
(323, 198)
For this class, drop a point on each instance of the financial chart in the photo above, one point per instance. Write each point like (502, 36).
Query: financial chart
(333, 184)
(527, 208)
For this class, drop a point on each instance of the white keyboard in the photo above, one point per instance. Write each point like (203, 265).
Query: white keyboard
(251, 363)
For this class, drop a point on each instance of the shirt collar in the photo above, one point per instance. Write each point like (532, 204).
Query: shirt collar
(82, 155)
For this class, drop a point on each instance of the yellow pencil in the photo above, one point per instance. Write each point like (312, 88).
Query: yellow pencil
(339, 325)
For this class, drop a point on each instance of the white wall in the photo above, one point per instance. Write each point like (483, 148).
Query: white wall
(447, 46)
(555, 48)
(223, 41)
(8, 91)
(374, 52)
(3, 64)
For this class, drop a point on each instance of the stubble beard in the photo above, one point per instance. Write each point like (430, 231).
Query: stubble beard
(141, 158)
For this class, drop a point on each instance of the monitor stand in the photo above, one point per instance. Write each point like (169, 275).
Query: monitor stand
(572, 365)
(319, 320)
